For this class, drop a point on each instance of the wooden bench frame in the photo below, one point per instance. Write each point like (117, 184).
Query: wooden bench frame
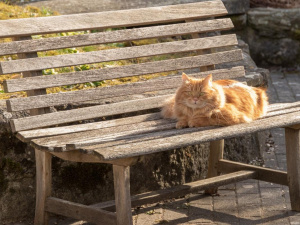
(31, 67)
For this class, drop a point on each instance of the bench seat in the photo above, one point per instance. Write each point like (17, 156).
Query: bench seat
(149, 133)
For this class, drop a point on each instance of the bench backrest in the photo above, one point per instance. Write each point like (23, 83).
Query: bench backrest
(187, 20)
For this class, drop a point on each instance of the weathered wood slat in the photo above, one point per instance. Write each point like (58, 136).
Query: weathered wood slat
(97, 140)
(280, 106)
(76, 156)
(181, 190)
(152, 136)
(16, 66)
(112, 141)
(122, 18)
(191, 137)
(58, 143)
(86, 113)
(26, 136)
(80, 212)
(265, 174)
(24, 84)
(114, 36)
(170, 82)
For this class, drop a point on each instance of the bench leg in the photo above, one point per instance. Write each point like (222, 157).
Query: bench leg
(292, 138)
(122, 194)
(43, 186)
(216, 153)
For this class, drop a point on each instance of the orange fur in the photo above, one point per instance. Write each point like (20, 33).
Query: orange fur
(201, 102)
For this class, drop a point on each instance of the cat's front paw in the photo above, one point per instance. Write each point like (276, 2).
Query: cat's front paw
(198, 123)
(192, 124)
(181, 124)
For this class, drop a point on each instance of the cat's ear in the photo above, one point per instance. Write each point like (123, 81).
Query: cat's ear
(185, 78)
(208, 81)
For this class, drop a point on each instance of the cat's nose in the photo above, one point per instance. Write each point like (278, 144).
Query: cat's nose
(195, 100)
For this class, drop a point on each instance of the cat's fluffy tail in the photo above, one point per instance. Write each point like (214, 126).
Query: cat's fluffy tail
(168, 108)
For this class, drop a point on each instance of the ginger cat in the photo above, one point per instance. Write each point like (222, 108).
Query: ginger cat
(202, 102)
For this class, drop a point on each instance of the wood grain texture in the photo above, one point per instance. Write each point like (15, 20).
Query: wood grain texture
(89, 145)
(112, 133)
(25, 84)
(200, 52)
(80, 212)
(40, 91)
(26, 136)
(264, 174)
(122, 194)
(292, 140)
(76, 156)
(58, 143)
(16, 66)
(101, 20)
(191, 136)
(170, 82)
(137, 138)
(216, 151)
(46, 44)
(43, 186)
(86, 113)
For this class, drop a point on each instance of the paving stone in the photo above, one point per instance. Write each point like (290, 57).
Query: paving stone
(222, 194)
(200, 213)
(281, 158)
(247, 188)
(225, 218)
(200, 199)
(271, 193)
(263, 184)
(224, 204)
(282, 221)
(274, 206)
(295, 220)
(275, 214)
(249, 221)
(149, 216)
(175, 212)
(248, 199)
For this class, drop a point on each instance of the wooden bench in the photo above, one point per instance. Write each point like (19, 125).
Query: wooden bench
(122, 141)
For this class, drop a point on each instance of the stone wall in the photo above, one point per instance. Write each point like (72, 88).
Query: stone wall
(274, 36)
